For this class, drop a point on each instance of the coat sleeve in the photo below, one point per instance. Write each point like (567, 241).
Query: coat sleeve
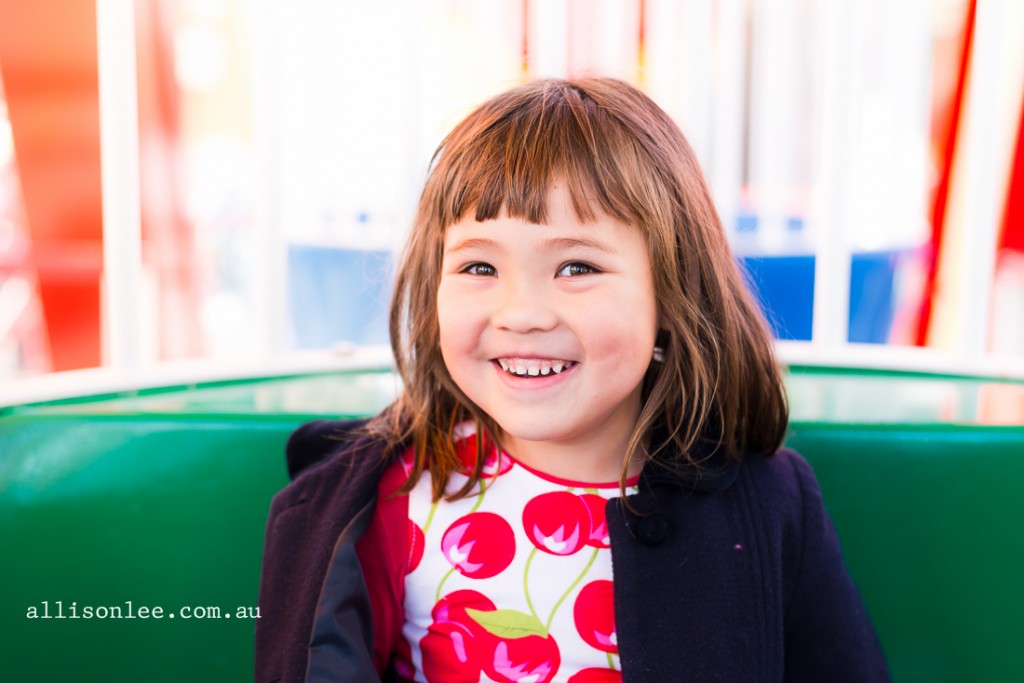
(358, 622)
(828, 634)
(307, 521)
(341, 641)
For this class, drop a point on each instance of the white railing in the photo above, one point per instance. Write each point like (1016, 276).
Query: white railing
(122, 312)
(835, 104)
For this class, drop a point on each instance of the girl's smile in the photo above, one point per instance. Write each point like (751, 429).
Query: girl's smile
(533, 374)
(532, 367)
(549, 329)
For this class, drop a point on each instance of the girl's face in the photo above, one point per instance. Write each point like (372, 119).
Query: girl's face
(549, 329)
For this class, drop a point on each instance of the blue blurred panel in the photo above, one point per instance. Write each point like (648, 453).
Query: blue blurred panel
(872, 304)
(342, 295)
(338, 295)
(784, 286)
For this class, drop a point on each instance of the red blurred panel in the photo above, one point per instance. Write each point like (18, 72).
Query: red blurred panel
(169, 244)
(49, 67)
(1013, 219)
(948, 85)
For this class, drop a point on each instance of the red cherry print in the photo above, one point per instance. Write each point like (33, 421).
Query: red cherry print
(452, 608)
(495, 463)
(531, 659)
(598, 521)
(557, 523)
(479, 545)
(594, 613)
(466, 450)
(449, 655)
(596, 676)
(416, 542)
(456, 647)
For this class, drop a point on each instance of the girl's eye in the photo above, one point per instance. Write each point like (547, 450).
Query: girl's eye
(482, 269)
(576, 268)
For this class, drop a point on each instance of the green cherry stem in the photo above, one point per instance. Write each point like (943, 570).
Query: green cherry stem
(611, 662)
(547, 626)
(479, 498)
(526, 585)
(430, 518)
(437, 598)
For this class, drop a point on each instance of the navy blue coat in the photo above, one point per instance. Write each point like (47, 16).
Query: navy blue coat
(732, 575)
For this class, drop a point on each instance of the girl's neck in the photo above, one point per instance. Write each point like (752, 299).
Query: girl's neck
(573, 461)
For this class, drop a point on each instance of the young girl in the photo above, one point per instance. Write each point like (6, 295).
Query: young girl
(582, 480)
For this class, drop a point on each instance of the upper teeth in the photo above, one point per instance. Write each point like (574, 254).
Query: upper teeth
(533, 367)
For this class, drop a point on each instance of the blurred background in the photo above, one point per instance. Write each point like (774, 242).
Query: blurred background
(223, 184)
(200, 205)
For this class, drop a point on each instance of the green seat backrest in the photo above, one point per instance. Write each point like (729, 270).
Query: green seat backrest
(158, 499)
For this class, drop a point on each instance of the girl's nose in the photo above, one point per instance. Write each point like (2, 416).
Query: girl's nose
(521, 307)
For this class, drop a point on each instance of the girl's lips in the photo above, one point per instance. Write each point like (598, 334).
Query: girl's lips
(534, 382)
(533, 367)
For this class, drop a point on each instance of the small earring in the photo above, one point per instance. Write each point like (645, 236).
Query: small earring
(658, 355)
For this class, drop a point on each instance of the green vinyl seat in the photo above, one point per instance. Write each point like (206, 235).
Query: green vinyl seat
(157, 499)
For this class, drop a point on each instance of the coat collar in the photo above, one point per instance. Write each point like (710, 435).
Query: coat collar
(712, 472)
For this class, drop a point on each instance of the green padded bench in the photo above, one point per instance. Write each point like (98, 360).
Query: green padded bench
(152, 504)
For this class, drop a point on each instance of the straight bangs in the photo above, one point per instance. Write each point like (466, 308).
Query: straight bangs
(506, 156)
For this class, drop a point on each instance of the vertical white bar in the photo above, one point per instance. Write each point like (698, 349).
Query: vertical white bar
(728, 105)
(773, 99)
(616, 39)
(695, 35)
(902, 149)
(836, 97)
(983, 187)
(417, 142)
(663, 77)
(119, 173)
(549, 32)
(270, 249)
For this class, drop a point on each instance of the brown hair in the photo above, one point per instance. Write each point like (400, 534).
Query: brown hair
(718, 387)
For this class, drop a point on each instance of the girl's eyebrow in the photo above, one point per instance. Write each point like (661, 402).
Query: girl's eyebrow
(473, 243)
(578, 242)
(553, 244)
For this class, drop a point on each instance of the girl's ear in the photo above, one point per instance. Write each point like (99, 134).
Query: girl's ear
(661, 341)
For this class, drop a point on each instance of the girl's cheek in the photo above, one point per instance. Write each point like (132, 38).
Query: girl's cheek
(452, 315)
(456, 306)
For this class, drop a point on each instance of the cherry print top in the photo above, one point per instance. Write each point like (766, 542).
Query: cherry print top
(512, 584)
(767, 595)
